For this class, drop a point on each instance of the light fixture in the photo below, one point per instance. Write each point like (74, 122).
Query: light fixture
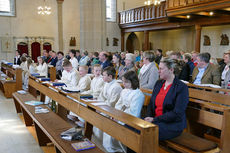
(188, 16)
(155, 2)
(211, 13)
(44, 10)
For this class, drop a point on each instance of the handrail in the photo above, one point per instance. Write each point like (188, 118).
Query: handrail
(145, 13)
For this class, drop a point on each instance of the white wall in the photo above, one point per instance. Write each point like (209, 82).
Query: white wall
(129, 4)
(92, 25)
(176, 40)
(113, 31)
(214, 33)
(71, 23)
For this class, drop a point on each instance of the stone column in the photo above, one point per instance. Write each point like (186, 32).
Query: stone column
(198, 37)
(60, 24)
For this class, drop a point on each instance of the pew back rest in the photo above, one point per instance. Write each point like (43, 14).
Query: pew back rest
(15, 73)
(209, 108)
(52, 73)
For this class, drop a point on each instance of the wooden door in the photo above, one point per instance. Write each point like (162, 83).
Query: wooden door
(35, 51)
(23, 47)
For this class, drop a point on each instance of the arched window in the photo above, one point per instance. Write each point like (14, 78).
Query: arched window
(7, 7)
(111, 10)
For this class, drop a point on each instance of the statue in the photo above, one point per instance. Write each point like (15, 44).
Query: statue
(115, 41)
(107, 41)
(207, 41)
(72, 41)
(224, 39)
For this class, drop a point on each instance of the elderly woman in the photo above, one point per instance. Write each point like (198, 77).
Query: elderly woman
(148, 75)
(129, 65)
(168, 102)
(225, 72)
(84, 59)
(42, 67)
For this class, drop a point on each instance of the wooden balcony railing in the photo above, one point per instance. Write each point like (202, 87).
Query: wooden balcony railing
(182, 3)
(144, 13)
(182, 7)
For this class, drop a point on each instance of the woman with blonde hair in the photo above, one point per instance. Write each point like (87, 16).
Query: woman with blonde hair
(168, 102)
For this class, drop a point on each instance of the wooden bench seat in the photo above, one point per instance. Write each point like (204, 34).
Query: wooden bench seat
(188, 142)
(48, 126)
(8, 87)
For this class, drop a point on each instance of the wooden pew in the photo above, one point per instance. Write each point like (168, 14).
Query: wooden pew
(207, 109)
(52, 73)
(144, 142)
(48, 126)
(10, 86)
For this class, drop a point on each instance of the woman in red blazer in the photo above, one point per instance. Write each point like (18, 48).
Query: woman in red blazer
(168, 102)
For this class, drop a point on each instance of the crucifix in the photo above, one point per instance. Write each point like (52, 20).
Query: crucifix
(7, 44)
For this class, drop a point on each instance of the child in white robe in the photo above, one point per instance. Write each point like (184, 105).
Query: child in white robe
(70, 76)
(29, 69)
(83, 85)
(97, 83)
(42, 67)
(85, 80)
(110, 94)
(131, 102)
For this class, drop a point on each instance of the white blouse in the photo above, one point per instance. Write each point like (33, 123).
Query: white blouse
(74, 63)
(42, 69)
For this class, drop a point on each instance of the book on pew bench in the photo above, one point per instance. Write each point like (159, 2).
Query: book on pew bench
(72, 134)
(10, 63)
(33, 103)
(86, 96)
(39, 110)
(44, 79)
(35, 74)
(39, 76)
(58, 84)
(23, 92)
(83, 145)
(70, 89)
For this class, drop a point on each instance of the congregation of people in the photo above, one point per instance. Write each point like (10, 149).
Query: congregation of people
(117, 79)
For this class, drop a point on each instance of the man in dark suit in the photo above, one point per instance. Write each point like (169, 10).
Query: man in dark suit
(78, 55)
(54, 58)
(17, 60)
(103, 57)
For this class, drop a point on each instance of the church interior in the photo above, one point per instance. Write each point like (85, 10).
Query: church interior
(199, 28)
